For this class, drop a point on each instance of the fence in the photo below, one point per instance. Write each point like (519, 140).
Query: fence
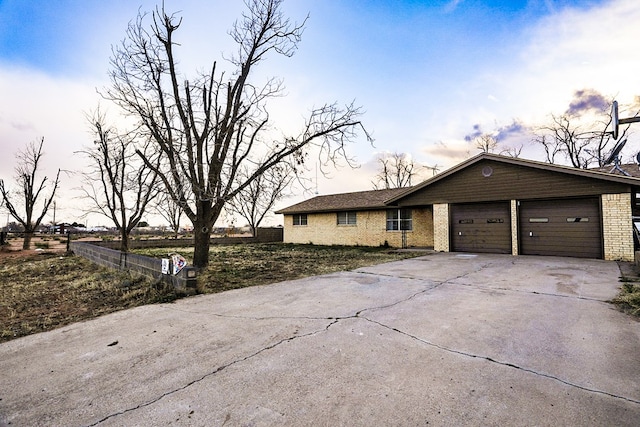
(107, 253)
(185, 279)
(264, 235)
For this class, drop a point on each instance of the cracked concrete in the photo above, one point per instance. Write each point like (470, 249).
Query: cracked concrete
(444, 339)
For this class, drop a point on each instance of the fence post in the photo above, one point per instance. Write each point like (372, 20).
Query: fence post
(68, 241)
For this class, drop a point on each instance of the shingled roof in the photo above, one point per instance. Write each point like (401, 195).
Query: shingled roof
(361, 200)
(633, 169)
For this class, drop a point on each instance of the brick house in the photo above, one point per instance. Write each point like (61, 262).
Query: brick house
(489, 203)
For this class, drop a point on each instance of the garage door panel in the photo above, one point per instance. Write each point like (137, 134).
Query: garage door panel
(481, 227)
(568, 227)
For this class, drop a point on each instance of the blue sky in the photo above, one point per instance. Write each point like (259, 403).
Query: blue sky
(428, 74)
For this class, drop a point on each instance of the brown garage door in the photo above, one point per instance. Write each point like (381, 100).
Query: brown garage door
(568, 227)
(481, 227)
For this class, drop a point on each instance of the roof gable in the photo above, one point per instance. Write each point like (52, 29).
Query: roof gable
(489, 177)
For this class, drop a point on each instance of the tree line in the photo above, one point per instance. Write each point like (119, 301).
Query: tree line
(197, 146)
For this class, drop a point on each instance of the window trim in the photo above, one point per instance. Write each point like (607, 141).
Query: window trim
(350, 218)
(399, 222)
(302, 220)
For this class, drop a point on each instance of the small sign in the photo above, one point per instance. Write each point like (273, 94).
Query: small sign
(165, 265)
(178, 263)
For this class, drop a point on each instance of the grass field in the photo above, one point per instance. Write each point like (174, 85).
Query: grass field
(39, 292)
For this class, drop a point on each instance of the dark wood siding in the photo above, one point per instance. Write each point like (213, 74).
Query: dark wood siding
(490, 180)
(566, 227)
(481, 227)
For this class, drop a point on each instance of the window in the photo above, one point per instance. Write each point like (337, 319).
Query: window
(538, 219)
(347, 218)
(578, 219)
(300, 219)
(399, 219)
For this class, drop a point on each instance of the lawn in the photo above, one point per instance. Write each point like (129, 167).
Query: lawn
(40, 292)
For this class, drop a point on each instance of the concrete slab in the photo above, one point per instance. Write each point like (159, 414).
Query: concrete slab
(444, 339)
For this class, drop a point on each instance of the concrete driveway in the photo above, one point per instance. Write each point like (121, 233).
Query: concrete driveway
(444, 339)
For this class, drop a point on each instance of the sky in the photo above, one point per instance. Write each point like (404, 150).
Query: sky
(429, 75)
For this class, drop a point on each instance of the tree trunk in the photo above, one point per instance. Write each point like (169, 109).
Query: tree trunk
(26, 244)
(202, 235)
(124, 240)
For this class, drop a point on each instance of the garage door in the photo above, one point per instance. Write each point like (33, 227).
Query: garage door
(568, 227)
(481, 227)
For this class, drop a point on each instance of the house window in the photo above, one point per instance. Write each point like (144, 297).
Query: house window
(578, 219)
(538, 219)
(300, 219)
(399, 219)
(346, 218)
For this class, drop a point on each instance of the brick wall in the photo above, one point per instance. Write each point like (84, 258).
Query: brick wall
(514, 227)
(617, 227)
(441, 227)
(370, 230)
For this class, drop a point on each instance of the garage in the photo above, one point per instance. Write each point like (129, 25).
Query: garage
(563, 227)
(481, 227)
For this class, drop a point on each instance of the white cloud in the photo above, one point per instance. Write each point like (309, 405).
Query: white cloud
(570, 50)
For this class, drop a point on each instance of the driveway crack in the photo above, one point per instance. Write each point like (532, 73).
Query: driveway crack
(498, 362)
(218, 370)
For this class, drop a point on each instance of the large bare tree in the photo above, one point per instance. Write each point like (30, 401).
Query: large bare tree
(118, 183)
(210, 127)
(397, 170)
(31, 190)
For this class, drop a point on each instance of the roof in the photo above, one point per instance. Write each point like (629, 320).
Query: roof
(596, 174)
(361, 200)
(633, 169)
(381, 199)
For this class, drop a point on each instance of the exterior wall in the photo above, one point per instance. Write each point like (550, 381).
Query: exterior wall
(370, 230)
(490, 180)
(617, 227)
(441, 227)
(514, 227)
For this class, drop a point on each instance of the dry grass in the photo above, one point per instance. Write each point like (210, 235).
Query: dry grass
(45, 291)
(239, 266)
(629, 298)
(39, 292)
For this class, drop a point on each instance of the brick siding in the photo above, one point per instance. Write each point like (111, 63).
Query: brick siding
(514, 227)
(369, 230)
(441, 227)
(617, 227)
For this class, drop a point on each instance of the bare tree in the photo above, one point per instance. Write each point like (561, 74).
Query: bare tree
(563, 137)
(257, 199)
(209, 128)
(118, 183)
(486, 143)
(512, 151)
(170, 211)
(582, 142)
(397, 170)
(31, 189)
